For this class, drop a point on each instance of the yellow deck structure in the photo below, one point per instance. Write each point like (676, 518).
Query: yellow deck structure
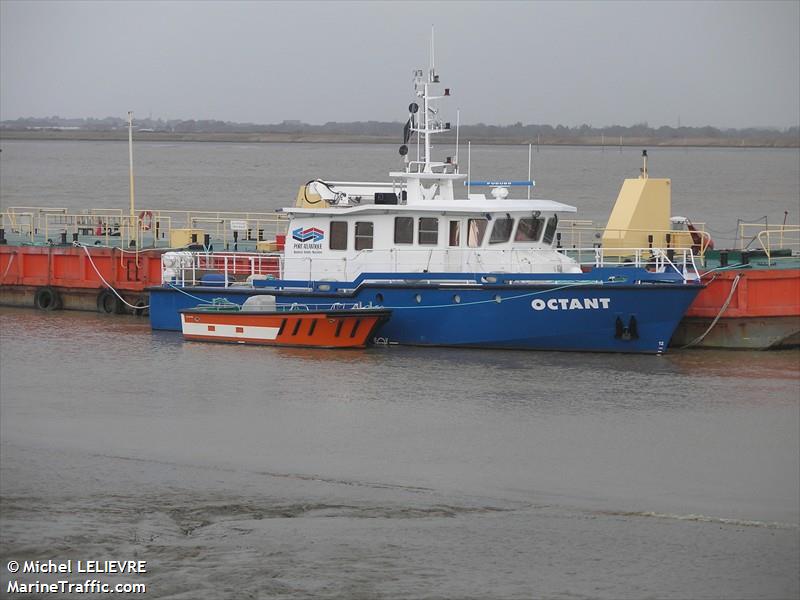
(641, 217)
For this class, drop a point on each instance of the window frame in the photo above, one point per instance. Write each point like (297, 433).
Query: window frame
(361, 238)
(332, 227)
(542, 225)
(421, 231)
(411, 236)
(550, 232)
(492, 239)
(457, 233)
(481, 232)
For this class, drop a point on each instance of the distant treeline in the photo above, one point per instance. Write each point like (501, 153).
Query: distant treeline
(393, 130)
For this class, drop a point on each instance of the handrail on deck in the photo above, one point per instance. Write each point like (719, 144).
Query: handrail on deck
(148, 228)
(184, 267)
(765, 240)
(671, 238)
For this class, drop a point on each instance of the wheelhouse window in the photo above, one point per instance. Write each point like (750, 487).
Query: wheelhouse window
(550, 232)
(364, 230)
(529, 229)
(501, 231)
(338, 239)
(476, 228)
(428, 231)
(455, 233)
(404, 230)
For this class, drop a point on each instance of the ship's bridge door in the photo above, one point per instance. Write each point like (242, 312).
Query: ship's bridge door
(455, 253)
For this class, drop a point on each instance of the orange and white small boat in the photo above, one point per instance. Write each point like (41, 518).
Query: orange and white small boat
(259, 321)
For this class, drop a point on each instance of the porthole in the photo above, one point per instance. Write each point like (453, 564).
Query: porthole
(457, 299)
(379, 297)
(418, 298)
(497, 298)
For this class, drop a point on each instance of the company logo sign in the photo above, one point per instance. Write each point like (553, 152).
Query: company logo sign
(310, 234)
(571, 304)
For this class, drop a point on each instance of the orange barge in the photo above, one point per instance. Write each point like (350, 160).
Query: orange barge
(248, 324)
(77, 277)
(103, 260)
(745, 309)
(103, 279)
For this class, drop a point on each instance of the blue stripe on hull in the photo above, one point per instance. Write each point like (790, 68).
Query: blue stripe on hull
(478, 320)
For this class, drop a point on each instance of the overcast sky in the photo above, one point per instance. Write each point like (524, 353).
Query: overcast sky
(726, 64)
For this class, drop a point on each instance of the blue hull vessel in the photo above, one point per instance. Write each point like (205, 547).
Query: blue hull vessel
(456, 267)
(605, 310)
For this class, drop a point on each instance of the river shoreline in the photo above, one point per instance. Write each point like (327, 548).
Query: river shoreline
(283, 138)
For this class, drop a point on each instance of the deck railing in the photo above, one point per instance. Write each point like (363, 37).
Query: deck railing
(146, 229)
(227, 269)
(587, 234)
(758, 236)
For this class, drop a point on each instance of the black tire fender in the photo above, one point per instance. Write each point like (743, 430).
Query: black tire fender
(141, 308)
(108, 303)
(47, 298)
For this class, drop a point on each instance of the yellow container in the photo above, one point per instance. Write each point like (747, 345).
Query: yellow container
(267, 246)
(180, 238)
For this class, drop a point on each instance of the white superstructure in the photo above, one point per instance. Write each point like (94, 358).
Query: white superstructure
(424, 220)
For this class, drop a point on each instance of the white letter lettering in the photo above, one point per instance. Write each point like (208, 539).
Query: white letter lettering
(538, 304)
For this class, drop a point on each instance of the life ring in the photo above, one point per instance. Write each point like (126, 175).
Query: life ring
(108, 303)
(47, 298)
(146, 220)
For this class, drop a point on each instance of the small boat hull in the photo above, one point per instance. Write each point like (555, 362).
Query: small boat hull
(322, 329)
(585, 312)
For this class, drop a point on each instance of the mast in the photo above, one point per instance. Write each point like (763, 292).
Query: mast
(458, 126)
(427, 133)
(130, 163)
(429, 124)
(426, 178)
(431, 79)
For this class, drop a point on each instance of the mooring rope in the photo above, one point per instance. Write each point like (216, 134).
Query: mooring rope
(494, 300)
(8, 266)
(700, 338)
(177, 289)
(108, 285)
(736, 267)
(490, 301)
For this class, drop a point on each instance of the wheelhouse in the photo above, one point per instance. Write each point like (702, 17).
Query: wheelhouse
(337, 243)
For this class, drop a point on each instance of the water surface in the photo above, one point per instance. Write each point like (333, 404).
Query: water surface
(396, 472)
(312, 462)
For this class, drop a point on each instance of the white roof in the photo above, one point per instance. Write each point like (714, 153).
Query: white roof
(447, 206)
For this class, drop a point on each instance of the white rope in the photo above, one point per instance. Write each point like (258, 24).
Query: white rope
(459, 305)
(495, 301)
(8, 266)
(736, 267)
(108, 285)
(700, 338)
(178, 289)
